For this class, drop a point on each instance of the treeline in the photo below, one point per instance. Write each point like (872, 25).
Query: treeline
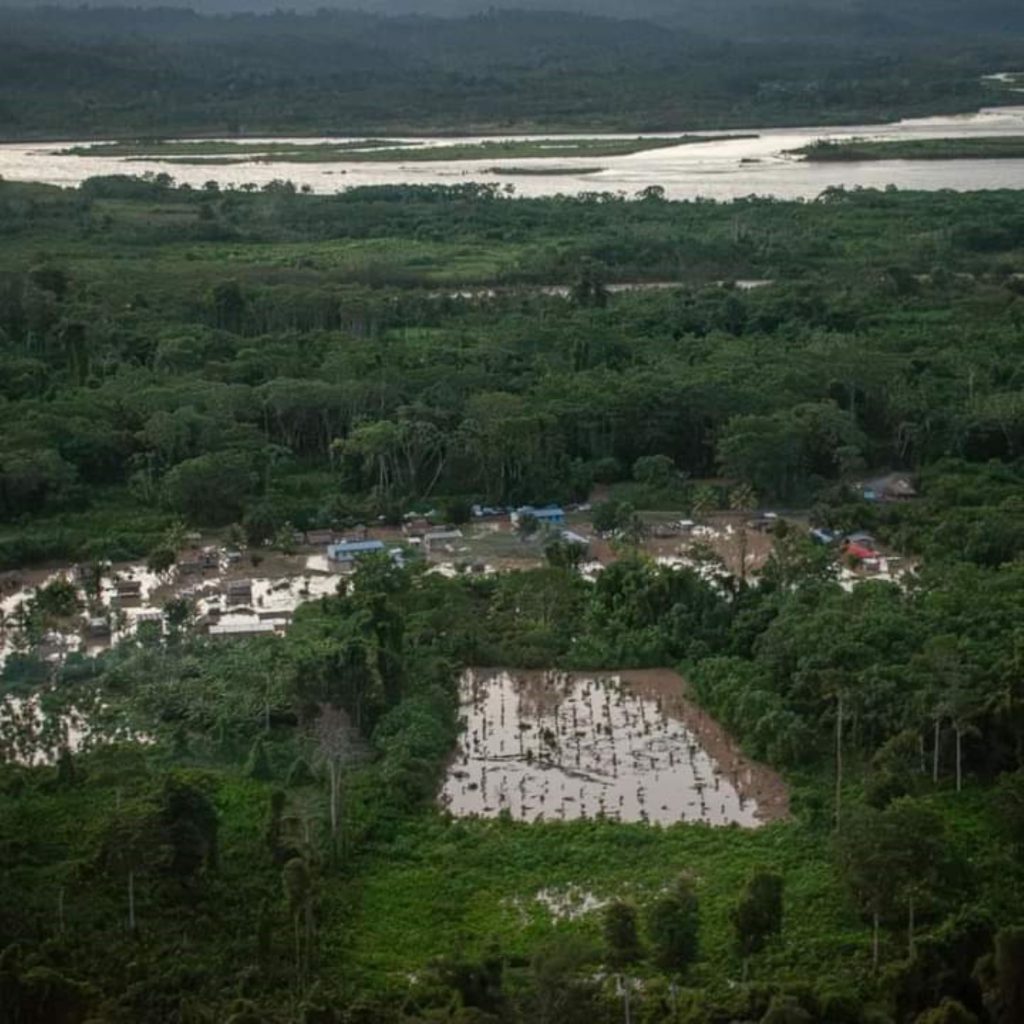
(175, 72)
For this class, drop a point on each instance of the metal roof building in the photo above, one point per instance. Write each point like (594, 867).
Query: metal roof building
(550, 514)
(350, 550)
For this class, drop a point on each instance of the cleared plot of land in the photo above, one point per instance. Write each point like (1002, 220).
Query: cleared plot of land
(378, 151)
(988, 148)
(628, 746)
(523, 885)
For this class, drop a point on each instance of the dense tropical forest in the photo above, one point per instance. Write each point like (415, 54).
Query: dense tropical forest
(248, 830)
(102, 72)
(262, 357)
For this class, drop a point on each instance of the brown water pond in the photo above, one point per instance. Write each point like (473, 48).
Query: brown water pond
(628, 746)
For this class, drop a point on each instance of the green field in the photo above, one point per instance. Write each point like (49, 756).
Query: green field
(502, 867)
(412, 909)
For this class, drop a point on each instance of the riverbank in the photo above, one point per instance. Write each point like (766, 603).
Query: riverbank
(825, 151)
(723, 167)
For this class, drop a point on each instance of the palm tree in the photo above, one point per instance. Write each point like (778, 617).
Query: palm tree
(1004, 699)
(963, 707)
(174, 536)
(704, 502)
(743, 499)
(951, 697)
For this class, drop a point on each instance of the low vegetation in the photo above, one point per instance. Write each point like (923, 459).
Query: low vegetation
(994, 148)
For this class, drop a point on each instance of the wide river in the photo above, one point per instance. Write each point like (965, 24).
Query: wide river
(718, 169)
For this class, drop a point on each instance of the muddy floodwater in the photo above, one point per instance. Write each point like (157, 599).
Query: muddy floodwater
(628, 746)
(759, 162)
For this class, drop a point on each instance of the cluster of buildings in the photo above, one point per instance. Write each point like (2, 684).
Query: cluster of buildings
(419, 532)
(231, 611)
(860, 546)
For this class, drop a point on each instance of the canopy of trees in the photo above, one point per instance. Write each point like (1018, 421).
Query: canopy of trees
(656, 66)
(248, 832)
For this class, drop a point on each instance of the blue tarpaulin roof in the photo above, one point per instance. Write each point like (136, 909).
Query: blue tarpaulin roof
(549, 512)
(355, 547)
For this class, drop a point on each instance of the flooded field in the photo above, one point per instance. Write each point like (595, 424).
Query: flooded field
(627, 746)
(225, 598)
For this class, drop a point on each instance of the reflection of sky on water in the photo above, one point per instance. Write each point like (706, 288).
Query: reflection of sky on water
(558, 746)
(723, 169)
(274, 600)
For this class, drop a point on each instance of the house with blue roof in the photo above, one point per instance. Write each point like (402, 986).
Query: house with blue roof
(348, 552)
(550, 515)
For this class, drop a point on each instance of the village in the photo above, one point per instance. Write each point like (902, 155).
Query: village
(216, 588)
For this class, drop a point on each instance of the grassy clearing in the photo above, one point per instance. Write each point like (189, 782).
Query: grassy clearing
(433, 262)
(394, 261)
(989, 148)
(465, 884)
(495, 546)
(468, 883)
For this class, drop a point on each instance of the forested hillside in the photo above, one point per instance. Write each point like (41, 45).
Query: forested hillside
(88, 72)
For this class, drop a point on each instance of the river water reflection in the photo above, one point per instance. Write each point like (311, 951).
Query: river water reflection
(719, 169)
